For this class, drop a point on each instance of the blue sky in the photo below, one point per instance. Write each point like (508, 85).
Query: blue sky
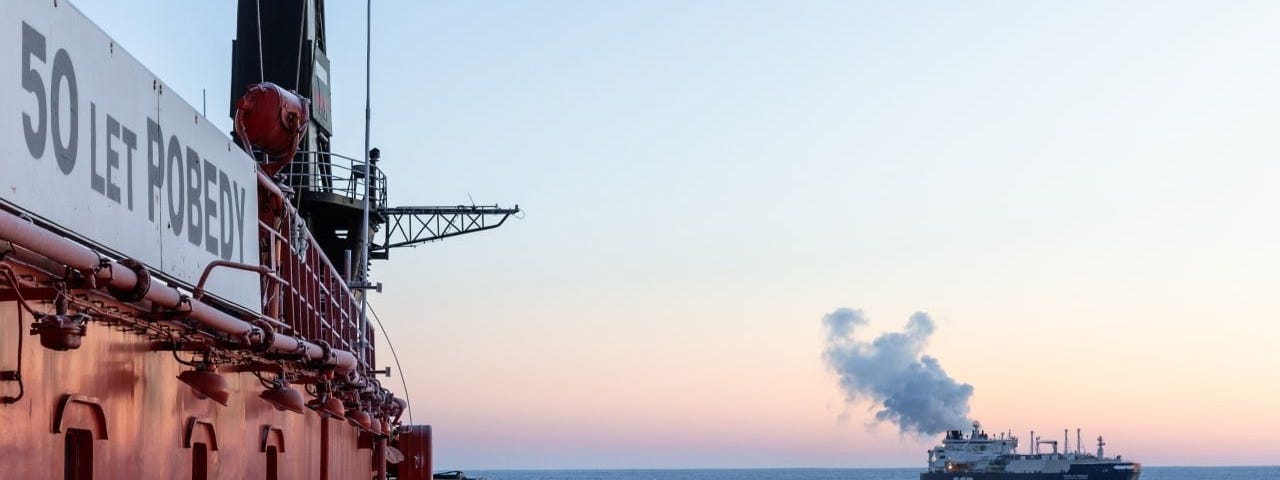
(1081, 193)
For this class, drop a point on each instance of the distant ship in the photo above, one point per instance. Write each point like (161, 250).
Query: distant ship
(980, 456)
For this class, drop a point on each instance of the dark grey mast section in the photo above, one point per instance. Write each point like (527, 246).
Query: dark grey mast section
(284, 42)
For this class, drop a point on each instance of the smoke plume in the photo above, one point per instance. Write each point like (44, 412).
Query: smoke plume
(911, 389)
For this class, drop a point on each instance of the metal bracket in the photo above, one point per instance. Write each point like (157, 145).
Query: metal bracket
(365, 286)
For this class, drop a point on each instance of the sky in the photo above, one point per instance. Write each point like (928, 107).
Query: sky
(1080, 194)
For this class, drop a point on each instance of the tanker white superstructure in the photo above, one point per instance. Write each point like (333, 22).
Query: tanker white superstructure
(980, 456)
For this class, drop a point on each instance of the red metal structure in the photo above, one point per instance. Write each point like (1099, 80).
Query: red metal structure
(117, 374)
(273, 120)
(141, 373)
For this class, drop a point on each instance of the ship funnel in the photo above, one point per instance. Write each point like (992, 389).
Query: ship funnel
(207, 383)
(284, 398)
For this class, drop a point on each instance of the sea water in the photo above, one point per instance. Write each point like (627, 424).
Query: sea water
(1148, 473)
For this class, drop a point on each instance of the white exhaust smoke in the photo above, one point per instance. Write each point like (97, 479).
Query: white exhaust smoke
(910, 388)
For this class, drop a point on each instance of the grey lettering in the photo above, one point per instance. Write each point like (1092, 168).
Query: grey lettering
(130, 140)
(194, 221)
(240, 217)
(113, 159)
(176, 210)
(96, 181)
(64, 152)
(155, 166)
(33, 47)
(210, 207)
(226, 203)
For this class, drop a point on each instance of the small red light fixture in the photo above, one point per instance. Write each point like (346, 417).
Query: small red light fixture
(331, 408)
(206, 383)
(327, 405)
(284, 398)
(60, 332)
(357, 417)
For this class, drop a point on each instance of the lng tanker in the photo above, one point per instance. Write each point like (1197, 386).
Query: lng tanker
(980, 456)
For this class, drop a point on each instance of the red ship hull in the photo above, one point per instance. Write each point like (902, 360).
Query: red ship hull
(163, 304)
(147, 424)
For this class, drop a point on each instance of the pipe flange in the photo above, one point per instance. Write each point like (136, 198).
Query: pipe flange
(327, 358)
(140, 288)
(268, 335)
(104, 263)
(301, 351)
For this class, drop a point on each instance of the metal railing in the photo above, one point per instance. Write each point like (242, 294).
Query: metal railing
(329, 172)
(313, 298)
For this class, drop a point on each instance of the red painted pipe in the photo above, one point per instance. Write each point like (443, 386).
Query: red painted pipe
(265, 182)
(380, 458)
(20, 232)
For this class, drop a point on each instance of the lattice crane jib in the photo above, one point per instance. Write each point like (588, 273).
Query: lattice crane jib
(413, 226)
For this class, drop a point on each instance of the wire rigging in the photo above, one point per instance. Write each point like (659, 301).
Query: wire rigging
(302, 35)
(396, 359)
(262, 74)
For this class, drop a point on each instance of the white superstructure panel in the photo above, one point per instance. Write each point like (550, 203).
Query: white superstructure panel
(93, 143)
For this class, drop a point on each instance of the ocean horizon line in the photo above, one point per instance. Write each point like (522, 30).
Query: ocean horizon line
(646, 469)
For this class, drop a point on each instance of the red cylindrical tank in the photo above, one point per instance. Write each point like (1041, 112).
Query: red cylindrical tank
(415, 443)
(272, 120)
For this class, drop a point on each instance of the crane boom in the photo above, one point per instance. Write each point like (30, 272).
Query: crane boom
(412, 226)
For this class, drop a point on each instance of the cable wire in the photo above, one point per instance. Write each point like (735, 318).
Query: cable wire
(302, 35)
(395, 358)
(262, 74)
(21, 304)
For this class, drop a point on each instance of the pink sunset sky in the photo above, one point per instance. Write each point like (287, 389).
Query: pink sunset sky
(1082, 195)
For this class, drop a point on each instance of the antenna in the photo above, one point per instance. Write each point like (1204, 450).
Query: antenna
(364, 222)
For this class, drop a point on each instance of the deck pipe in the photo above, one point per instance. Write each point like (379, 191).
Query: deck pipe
(20, 232)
